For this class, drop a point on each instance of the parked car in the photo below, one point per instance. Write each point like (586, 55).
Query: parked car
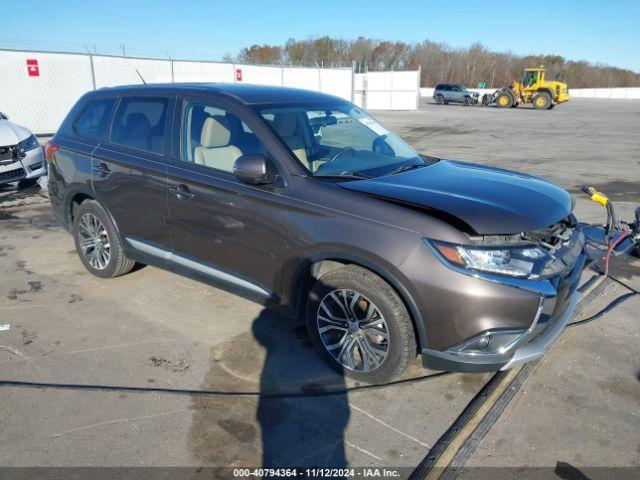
(21, 156)
(445, 93)
(385, 252)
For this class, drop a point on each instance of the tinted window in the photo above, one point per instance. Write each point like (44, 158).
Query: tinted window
(447, 88)
(215, 138)
(93, 122)
(139, 123)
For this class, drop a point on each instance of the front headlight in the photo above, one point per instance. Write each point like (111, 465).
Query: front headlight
(521, 262)
(30, 143)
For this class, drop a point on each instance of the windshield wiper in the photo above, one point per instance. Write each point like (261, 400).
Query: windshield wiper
(404, 168)
(352, 176)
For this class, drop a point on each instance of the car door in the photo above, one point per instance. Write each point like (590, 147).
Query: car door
(456, 93)
(446, 91)
(231, 232)
(129, 171)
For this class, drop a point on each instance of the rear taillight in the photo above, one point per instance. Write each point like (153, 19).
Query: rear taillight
(50, 149)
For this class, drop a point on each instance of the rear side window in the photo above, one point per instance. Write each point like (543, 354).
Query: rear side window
(139, 123)
(446, 88)
(93, 122)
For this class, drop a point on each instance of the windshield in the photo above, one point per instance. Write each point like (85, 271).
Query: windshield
(340, 140)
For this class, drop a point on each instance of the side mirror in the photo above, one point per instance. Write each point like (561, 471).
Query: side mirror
(252, 169)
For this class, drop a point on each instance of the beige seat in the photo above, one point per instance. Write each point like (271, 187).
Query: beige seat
(285, 125)
(214, 150)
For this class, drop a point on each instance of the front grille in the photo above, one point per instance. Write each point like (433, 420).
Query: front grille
(564, 242)
(7, 154)
(12, 175)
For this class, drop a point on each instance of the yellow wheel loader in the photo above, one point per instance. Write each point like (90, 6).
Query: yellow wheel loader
(533, 89)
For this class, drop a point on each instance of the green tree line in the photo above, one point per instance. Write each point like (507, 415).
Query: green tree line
(439, 61)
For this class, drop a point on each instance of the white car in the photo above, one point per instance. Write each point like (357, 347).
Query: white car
(21, 156)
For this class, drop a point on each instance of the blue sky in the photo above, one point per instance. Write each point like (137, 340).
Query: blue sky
(597, 31)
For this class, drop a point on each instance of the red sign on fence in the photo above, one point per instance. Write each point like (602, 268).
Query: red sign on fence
(32, 67)
(238, 74)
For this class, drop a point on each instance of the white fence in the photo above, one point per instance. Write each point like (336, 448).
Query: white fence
(632, 93)
(37, 89)
(387, 90)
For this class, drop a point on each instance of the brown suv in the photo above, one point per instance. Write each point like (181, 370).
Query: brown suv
(303, 202)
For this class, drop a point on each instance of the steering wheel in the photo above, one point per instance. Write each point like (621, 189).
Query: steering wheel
(339, 153)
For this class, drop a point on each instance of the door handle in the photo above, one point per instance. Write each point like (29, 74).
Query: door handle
(102, 169)
(182, 192)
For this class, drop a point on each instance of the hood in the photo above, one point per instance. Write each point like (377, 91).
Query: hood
(488, 200)
(11, 133)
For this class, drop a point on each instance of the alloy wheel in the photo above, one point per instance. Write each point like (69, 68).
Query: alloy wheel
(353, 330)
(94, 241)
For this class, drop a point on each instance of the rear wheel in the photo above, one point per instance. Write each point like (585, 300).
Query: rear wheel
(439, 99)
(504, 100)
(98, 243)
(542, 101)
(359, 325)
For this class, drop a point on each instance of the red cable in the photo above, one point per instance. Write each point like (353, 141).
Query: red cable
(613, 245)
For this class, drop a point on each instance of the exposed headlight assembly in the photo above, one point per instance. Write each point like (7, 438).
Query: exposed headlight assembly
(520, 262)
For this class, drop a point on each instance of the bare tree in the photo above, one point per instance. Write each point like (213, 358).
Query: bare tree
(439, 62)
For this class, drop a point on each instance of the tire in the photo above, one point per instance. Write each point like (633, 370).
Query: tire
(27, 183)
(466, 101)
(439, 99)
(390, 355)
(92, 222)
(504, 100)
(541, 101)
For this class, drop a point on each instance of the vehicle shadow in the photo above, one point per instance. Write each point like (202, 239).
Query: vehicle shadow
(298, 431)
(278, 424)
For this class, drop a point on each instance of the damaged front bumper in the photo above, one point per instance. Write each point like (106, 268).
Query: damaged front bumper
(31, 166)
(533, 346)
(504, 348)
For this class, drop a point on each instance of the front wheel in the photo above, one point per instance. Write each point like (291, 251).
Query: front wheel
(466, 101)
(359, 325)
(27, 183)
(504, 100)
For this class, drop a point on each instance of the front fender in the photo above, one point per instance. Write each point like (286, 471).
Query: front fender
(298, 280)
